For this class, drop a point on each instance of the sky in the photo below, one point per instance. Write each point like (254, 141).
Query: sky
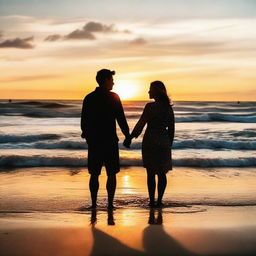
(200, 49)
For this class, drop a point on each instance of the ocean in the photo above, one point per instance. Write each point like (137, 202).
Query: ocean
(43, 159)
(46, 133)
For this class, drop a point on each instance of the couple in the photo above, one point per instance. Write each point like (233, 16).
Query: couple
(101, 109)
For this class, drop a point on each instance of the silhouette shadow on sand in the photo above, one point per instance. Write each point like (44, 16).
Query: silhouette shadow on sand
(155, 240)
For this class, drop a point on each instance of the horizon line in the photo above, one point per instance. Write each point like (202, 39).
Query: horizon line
(7, 99)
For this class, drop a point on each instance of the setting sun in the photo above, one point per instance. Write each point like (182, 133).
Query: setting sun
(126, 89)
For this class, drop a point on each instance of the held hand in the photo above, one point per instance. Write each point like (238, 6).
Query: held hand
(127, 142)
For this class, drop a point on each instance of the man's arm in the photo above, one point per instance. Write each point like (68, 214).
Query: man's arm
(83, 119)
(121, 118)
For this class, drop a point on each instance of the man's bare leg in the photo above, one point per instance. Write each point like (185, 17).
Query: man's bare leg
(111, 188)
(94, 187)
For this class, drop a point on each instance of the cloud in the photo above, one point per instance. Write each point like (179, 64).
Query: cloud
(98, 27)
(87, 32)
(52, 38)
(80, 34)
(138, 41)
(89, 28)
(22, 43)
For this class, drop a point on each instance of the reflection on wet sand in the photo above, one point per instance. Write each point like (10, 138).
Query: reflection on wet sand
(156, 241)
(93, 216)
(103, 243)
(153, 219)
(110, 219)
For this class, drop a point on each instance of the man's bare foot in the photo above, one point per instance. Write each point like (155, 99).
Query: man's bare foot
(111, 207)
(152, 205)
(93, 206)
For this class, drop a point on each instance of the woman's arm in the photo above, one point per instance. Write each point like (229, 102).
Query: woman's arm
(171, 126)
(141, 123)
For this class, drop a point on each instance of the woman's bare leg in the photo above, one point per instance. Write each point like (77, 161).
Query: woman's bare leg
(151, 187)
(161, 187)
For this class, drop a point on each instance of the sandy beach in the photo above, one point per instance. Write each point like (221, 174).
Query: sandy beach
(40, 214)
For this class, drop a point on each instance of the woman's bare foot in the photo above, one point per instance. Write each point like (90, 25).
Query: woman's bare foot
(159, 205)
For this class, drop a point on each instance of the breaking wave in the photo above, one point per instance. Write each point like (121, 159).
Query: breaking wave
(40, 161)
(43, 142)
(27, 138)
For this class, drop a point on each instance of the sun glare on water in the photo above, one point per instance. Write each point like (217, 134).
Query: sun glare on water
(127, 90)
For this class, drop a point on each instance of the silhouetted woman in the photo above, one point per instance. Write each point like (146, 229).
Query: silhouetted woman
(157, 140)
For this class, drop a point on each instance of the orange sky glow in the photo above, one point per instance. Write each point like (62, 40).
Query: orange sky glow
(46, 56)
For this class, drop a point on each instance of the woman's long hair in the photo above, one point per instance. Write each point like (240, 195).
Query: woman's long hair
(160, 92)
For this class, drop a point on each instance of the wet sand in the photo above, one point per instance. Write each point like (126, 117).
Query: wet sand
(40, 216)
(130, 232)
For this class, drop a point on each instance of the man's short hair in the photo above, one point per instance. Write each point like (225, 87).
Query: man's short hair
(103, 74)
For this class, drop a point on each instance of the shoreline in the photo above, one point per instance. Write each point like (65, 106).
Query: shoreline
(66, 189)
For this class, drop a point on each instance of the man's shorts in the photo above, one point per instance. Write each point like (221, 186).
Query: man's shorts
(106, 154)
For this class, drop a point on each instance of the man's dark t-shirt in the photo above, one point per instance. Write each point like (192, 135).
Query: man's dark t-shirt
(101, 109)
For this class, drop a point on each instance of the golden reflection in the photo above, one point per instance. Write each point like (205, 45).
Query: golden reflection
(126, 178)
(127, 217)
(126, 185)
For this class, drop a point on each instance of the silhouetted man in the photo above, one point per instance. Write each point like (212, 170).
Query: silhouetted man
(101, 109)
